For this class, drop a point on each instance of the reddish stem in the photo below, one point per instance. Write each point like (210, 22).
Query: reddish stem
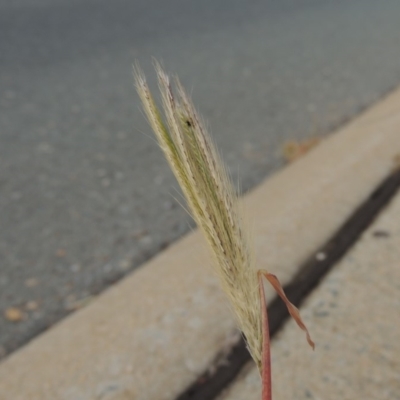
(266, 352)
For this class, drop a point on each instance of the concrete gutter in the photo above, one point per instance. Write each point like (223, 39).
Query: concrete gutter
(150, 335)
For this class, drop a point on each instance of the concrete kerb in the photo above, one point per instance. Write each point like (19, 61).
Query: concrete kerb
(353, 316)
(150, 335)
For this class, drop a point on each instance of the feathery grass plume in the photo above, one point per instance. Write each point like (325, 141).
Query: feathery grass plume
(211, 198)
(213, 203)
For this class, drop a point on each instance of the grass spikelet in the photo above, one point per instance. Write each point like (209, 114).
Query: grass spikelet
(213, 203)
(204, 181)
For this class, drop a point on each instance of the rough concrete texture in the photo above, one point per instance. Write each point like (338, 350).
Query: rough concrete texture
(354, 318)
(150, 335)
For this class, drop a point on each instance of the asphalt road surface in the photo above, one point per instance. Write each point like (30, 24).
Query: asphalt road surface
(86, 196)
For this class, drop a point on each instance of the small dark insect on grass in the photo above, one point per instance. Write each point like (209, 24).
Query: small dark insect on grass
(215, 207)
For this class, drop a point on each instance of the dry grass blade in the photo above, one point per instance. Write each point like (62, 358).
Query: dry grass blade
(293, 310)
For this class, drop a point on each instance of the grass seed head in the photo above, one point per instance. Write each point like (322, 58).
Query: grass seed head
(197, 166)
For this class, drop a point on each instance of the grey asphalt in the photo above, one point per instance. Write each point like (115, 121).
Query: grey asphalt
(86, 196)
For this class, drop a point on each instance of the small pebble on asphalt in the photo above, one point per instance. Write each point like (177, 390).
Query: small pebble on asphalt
(13, 314)
(75, 268)
(32, 305)
(31, 282)
(61, 253)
